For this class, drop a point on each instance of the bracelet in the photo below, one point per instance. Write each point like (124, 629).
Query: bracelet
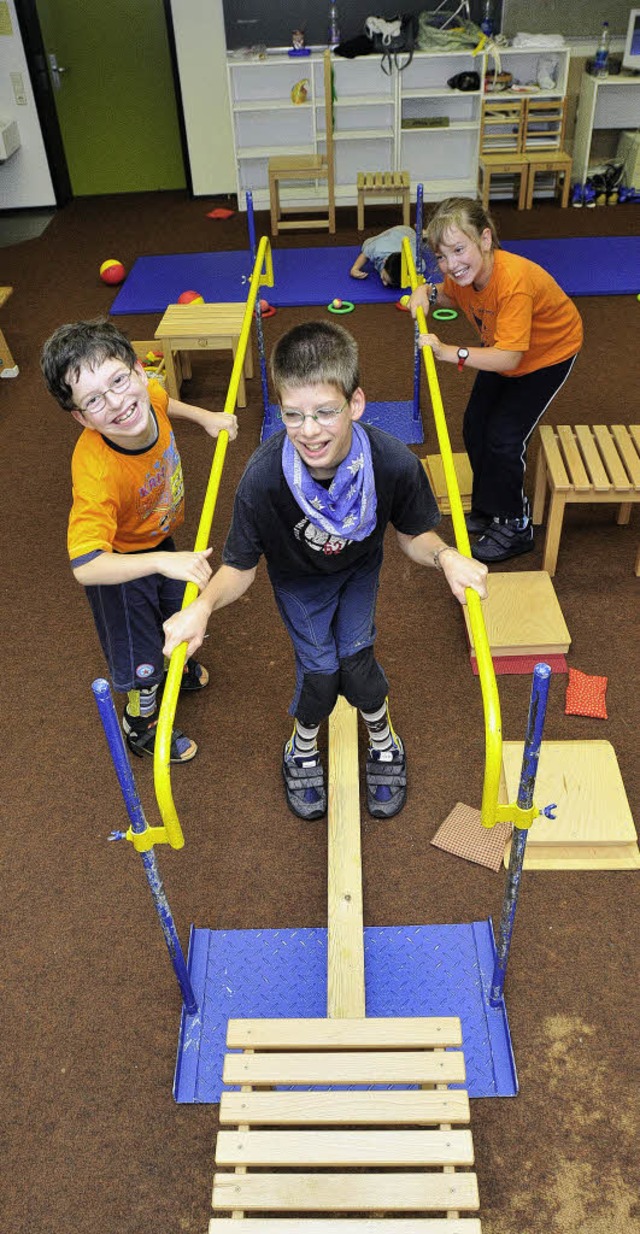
(437, 555)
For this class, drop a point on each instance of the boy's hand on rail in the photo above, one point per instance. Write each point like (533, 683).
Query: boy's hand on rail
(188, 626)
(462, 572)
(190, 567)
(219, 421)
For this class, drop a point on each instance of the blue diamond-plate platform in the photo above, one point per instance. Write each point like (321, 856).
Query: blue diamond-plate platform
(409, 971)
(395, 418)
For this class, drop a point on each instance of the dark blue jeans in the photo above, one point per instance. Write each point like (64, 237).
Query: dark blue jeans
(331, 622)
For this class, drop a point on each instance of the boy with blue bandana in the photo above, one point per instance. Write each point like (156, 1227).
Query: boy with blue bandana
(315, 501)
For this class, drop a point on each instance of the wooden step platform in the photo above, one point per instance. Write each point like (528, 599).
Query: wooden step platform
(523, 616)
(369, 1151)
(593, 828)
(433, 466)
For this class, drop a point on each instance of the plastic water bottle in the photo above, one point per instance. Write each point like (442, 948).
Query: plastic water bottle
(486, 25)
(333, 33)
(600, 63)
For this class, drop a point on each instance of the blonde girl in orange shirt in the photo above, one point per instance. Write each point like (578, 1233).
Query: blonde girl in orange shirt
(530, 334)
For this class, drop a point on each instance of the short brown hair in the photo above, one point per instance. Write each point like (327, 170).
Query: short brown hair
(78, 343)
(316, 353)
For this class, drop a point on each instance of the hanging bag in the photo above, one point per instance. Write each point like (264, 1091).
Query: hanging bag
(395, 40)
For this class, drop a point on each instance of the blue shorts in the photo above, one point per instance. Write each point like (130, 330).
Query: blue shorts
(128, 618)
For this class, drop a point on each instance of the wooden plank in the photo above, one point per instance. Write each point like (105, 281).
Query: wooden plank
(350, 1225)
(599, 478)
(628, 452)
(580, 481)
(345, 1193)
(345, 938)
(555, 465)
(634, 429)
(371, 1108)
(344, 1148)
(611, 458)
(336, 1225)
(409, 1067)
(410, 1032)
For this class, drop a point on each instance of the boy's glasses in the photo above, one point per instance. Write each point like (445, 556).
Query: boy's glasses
(324, 415)
(119, 385)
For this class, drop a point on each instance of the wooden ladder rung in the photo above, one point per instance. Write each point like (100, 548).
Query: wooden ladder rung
(360, 1108)
(412, 1032)
(350, 1225)
(404, 1192)
(389, 1067)
(344, 1148)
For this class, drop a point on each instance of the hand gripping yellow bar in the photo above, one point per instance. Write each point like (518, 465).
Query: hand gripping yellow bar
(171, 832)
(490, 699)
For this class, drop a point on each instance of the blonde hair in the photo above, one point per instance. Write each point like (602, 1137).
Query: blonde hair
(465, 213)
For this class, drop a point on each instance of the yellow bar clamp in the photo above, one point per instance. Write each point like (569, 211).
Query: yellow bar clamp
(490, 699)
(171, 831)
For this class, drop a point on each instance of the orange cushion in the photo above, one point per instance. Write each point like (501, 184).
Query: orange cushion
(586, 695)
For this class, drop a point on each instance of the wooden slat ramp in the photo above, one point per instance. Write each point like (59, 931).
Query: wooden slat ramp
(374, 1160)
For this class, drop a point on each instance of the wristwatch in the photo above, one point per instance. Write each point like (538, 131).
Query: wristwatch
(433, 295)
(463, 354)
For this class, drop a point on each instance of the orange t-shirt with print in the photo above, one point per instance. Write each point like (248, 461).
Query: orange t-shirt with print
(522, 308)
(125, 501)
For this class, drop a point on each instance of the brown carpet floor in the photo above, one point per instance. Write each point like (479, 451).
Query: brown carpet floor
(94, 1142)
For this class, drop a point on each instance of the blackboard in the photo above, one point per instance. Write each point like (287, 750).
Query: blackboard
(573, 18)
(248, 22)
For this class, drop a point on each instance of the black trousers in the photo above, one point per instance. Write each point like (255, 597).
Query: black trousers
(501, 415)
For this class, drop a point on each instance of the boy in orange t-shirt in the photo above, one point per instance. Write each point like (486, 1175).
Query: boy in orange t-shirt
(128, 499)
(530, 332)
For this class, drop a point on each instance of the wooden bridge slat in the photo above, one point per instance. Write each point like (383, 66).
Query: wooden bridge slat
(402, 1192)
(363, 1108)
(408, 1067)
(344, 1148)
(410, 1032)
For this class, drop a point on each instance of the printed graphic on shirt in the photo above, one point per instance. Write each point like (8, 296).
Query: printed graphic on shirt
(163, 490)
(318, 540)
(485, 320)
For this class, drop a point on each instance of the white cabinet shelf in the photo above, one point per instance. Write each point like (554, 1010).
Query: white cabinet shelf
(604, 103)
(377, 118)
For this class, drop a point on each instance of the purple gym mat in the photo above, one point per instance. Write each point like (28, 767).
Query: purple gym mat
(591, 266)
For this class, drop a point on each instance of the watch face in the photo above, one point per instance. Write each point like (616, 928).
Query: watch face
(463, 353)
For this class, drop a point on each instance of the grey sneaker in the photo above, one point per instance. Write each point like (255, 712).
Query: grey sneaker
(386, 776)
(304, 783)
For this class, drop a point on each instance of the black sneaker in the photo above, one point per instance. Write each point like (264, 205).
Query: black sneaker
(304, 785)
(504, 538)
(386, 777)
(477, 522)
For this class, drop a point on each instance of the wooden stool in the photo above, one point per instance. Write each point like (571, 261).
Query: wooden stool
(384, 184)
(434, 468)
(585, 464)
(8, 366)
(556, 161)
(503, 165)
(200, 327)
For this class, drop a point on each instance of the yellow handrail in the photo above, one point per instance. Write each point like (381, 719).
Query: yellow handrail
(171, 832)
(490, 699)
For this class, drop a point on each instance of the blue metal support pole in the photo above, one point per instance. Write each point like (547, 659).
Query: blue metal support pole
(530, 757)
(115, 741)
(417, 365)
(259, 330)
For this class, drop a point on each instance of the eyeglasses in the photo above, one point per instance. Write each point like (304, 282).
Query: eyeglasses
(119, 386)
(325, 416)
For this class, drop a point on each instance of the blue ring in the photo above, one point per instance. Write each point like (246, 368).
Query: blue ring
(444, 314)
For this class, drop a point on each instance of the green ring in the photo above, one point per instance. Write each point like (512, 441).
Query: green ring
(444, 314)
(347, 307)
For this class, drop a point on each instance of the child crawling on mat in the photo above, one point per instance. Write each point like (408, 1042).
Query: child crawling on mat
(384, 252)
(128, 499)
(315, 500)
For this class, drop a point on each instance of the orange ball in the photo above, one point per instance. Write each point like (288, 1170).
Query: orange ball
(190, 297)
(112, 272)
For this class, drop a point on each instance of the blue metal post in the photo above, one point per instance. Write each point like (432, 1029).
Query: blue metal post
(416, 350)
(115, 741)
(259, 329)
(530, 757)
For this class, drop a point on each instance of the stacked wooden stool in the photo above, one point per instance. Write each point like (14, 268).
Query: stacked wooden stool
(372, 185)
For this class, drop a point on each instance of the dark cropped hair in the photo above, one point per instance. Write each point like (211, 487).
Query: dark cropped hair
(316, 353)
(76, 344)
(465, 213)
(393, 269)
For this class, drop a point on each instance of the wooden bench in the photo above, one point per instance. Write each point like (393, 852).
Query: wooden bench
(8, 366)
(200, 327)
(376, 184)
(585, 464)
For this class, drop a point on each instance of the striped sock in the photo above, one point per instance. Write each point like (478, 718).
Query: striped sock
(304, 740)
(141, 704)
(381, 734)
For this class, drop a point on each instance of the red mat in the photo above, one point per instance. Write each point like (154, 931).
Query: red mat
(523, 664)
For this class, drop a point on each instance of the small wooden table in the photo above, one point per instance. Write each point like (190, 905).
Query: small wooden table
(200, 327)
(8, 366)
(585, 464)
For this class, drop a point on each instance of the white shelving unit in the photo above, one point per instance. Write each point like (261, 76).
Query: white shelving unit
(604, 103)
(410, 120)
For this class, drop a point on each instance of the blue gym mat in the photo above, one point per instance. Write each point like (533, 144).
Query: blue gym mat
(592, 266)
(409, 971)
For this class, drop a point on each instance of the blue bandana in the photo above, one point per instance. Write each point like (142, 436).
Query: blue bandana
(348, 507)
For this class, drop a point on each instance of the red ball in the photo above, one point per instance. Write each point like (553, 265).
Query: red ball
(112, 272)
(190, 297)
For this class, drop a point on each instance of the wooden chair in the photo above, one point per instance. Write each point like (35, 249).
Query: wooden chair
(306, 167)
(543, 137)
(377, 184)
(501, 146)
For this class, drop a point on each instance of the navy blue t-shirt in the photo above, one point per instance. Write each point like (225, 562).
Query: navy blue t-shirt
(268, 521)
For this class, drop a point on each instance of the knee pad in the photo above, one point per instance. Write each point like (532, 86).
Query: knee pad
(362, 680)
(318, 697)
